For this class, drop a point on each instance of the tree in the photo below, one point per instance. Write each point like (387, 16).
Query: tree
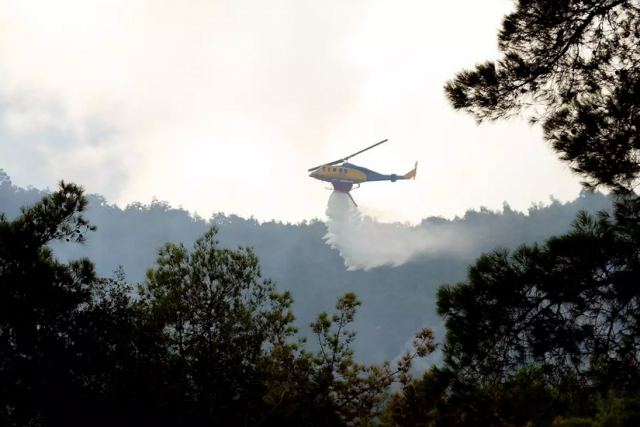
(219, 322)
(553, 326)
(41, 303)
(538, 335)
(75, 349)
(231, 351)
(572, 304)
(574, 65)
(352, 391)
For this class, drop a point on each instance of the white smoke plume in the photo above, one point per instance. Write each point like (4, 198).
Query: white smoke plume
(364, 243)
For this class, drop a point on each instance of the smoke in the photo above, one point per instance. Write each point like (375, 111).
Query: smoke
(364, 243)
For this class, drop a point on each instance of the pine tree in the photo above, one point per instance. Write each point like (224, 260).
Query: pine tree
(573, 65)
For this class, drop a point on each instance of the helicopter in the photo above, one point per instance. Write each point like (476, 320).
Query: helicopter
(344, 175)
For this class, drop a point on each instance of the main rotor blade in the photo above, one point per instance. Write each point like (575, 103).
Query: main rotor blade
(362, 151)
(344, 159)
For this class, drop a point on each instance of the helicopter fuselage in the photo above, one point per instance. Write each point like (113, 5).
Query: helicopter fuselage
(344, 176)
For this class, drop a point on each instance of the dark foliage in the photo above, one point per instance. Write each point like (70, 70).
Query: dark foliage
(525, 399)
(203, 341)
(569, 308)
(571, 304)
(544, 335)
(574, 65)
(41, 303)
(550, 334)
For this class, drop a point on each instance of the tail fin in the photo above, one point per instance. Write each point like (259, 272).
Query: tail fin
(411, 174)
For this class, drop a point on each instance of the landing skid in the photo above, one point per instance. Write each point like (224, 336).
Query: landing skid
(354, 202)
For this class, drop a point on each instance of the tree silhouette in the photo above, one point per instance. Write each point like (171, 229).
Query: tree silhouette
(570, 305)
(204, 340)
(219, 322)
(41, 303)
(548, 334)
(575, 66)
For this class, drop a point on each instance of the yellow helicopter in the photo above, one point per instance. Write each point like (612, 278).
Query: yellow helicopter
(343, 175)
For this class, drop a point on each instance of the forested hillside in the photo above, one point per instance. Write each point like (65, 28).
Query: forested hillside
(397, 301)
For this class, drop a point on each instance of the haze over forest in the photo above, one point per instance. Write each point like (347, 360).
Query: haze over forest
(397, 300)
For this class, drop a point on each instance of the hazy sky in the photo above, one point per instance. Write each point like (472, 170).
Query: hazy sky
(223, 105)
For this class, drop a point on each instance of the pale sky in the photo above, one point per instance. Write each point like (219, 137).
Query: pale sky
(223, 105)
